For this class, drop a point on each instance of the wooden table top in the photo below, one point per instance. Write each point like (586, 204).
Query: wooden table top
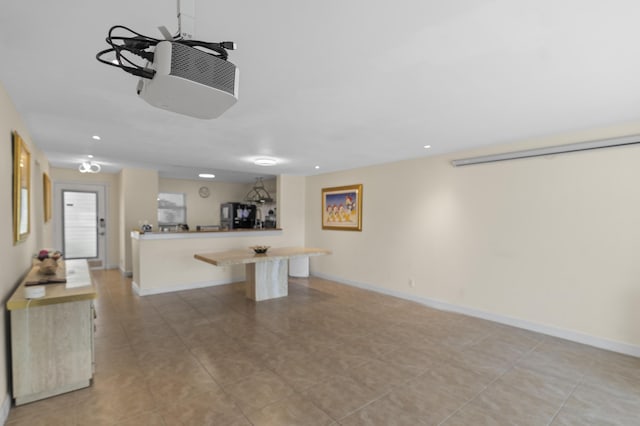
(237, 257)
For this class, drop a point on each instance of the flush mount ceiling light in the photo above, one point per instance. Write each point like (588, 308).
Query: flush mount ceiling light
(206, 175)
(89, 167)
(96, 137)
(265, 162)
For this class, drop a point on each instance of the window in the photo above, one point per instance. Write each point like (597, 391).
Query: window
(172, 208)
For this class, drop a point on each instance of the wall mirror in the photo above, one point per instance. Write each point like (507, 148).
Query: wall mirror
(21, 189)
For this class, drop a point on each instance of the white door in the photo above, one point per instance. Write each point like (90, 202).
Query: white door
(81, 226)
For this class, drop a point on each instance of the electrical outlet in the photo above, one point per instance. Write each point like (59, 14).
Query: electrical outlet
(412, 282)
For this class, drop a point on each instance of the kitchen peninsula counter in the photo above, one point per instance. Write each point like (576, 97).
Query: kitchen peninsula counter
(163, 261)
(170, 235)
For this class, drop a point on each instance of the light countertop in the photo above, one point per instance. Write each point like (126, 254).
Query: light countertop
(79, 286)
(204, 234)
(235, 257)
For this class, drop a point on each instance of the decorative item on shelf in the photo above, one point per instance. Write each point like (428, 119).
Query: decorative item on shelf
(48, 267)
(260, 249)
(48, 261)
(270, 220)
(258, 194)
(49, 254)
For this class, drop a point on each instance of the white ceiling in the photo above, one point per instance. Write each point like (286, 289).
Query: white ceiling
(334, 83)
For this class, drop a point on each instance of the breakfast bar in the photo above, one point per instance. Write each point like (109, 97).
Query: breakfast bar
(266, 273)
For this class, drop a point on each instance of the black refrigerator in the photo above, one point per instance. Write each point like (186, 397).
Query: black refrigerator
(237, 215)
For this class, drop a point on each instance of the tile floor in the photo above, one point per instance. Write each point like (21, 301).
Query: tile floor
(329, 354)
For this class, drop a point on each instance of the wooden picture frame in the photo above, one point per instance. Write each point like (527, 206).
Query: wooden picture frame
(21, 189)
(46, 194)
(342, 208)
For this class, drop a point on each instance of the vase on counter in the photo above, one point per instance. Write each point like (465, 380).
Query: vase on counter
(48, 266)
(48, 261)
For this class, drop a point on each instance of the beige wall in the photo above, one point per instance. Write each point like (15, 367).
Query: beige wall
(16, 259)
(550, 243)
(139, 198)
(111, 184)
(291, 204)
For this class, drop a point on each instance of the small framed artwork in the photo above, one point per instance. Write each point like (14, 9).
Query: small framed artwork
(46, 191)
(342, 208)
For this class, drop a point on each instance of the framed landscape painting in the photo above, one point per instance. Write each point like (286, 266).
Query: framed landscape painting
(342, 208)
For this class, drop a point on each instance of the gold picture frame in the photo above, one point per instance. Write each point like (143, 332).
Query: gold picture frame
(342, 208)
(21, 189)
(46, 193)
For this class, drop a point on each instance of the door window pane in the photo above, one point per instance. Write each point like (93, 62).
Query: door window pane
(80, 231)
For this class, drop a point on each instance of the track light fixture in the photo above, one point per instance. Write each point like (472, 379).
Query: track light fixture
(539, 152)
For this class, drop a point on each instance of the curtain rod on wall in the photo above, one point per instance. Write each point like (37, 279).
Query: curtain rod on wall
(538, 152)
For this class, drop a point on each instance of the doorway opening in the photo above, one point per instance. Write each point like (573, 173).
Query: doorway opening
(81, 230)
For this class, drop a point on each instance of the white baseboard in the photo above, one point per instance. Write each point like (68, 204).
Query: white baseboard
(575, 336)
(177, 287)
(5, 408)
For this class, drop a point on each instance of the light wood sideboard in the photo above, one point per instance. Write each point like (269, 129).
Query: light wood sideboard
(52, 348)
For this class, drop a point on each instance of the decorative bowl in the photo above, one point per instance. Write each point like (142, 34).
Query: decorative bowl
(260, 249)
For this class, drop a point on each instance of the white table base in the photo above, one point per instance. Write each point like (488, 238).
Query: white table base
(267, 280)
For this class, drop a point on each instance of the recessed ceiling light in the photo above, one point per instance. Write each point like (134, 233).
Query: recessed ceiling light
(427, 146)
(265, 162)
(90, 156)
(95, 137)
(206, 175)
(317, 167)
